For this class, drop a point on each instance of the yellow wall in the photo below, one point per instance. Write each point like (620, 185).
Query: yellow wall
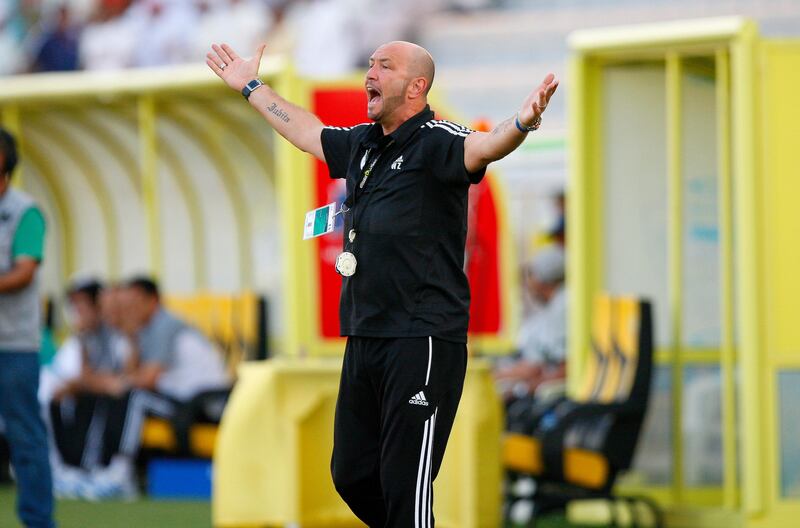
(779, 230)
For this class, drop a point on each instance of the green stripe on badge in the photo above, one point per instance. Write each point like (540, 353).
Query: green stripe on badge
(321, 221)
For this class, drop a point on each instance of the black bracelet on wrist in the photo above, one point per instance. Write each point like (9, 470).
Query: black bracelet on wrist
(524, 129)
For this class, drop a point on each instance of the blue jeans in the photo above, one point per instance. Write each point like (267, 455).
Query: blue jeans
(27, 437)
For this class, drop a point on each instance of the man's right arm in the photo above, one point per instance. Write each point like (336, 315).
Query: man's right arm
(299, 126)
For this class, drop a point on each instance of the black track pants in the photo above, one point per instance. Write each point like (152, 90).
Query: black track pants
(397, 402)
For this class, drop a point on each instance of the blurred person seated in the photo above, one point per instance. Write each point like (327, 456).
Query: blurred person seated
(87, 371)
(104, 354)
(174, 364)
(541, 344)
(56, 49)
(174, 358)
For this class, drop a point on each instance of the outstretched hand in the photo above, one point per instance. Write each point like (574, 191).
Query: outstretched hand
(231, 68)
(535, 104)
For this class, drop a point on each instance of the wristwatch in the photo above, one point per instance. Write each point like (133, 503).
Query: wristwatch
(251, 87)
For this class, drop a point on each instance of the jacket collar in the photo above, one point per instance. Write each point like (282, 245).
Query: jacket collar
(375, 138)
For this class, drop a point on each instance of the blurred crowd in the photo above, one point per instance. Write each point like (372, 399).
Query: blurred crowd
(325, 37)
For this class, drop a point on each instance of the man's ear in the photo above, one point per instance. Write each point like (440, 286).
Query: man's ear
(417, 87)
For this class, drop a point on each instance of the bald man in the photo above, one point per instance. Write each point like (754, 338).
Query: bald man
(405, 298)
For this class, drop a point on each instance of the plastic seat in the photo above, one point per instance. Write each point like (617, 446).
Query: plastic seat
(576, 447)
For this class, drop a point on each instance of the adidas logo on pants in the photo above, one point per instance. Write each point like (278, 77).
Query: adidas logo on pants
(418, 399)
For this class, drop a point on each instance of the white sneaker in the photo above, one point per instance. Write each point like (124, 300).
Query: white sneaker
(115, 481)
(109, 489)
(69, 482)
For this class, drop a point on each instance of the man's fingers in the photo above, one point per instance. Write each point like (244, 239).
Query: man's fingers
(213, 65)
(229, 50)
(541, 101)
(222, 54)
(260, 51)
(216, 60)
(551, 90)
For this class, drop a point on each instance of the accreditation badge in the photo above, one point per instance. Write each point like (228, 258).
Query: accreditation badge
(346, 264)
(319, 221)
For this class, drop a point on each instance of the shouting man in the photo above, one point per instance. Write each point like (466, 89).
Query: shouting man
(405, 298)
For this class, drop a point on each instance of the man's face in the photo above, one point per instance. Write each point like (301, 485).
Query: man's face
(386, 82)
(540, 291)
(136, 308)
(85, 314)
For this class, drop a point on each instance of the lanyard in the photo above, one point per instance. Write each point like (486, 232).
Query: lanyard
(350, 202)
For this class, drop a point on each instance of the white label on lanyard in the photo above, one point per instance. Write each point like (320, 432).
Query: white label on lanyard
(319, 221)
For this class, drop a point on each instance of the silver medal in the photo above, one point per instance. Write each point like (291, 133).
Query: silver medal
(346, 264)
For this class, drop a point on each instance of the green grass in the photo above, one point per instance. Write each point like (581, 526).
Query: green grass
(111, 514)
(145, 513)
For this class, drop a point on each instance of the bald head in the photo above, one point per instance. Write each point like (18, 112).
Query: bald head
(418, 61)
(397, 83)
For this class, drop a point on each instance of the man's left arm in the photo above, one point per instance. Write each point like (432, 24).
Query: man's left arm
(482, 148)
(27, 251)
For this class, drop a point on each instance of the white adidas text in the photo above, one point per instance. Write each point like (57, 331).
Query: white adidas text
(418, 399)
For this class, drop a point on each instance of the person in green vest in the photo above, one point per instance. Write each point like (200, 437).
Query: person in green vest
(22, 230)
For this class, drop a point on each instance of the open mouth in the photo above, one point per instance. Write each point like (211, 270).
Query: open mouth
(373, 95)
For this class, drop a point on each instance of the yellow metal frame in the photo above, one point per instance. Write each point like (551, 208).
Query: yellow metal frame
(730, 43)
(727, 342)
(294, 195)
(674, 78)
(585, 212)
(750, 306)
(151, 195)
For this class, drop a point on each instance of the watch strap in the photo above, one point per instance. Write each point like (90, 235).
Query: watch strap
(251, 87)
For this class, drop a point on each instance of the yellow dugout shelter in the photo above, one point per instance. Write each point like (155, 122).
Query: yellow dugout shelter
(684, 187)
